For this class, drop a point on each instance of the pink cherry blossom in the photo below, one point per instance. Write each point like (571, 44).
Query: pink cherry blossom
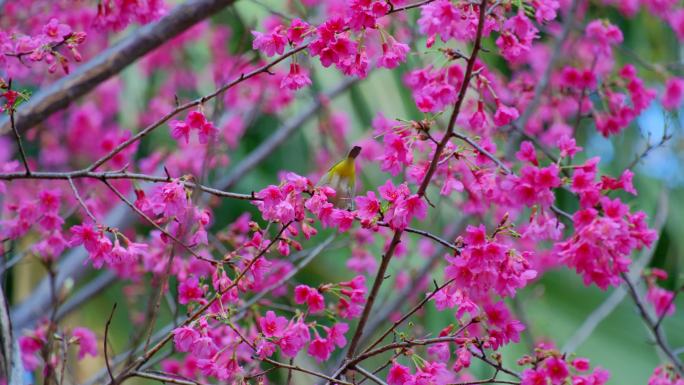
(87, 342)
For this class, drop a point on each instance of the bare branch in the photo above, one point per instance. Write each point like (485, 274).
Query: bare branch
(369, 375)
(104, 176)
(17, 137)
(106, 338)
(652, 326)
(162, 378)
(80, 200)
(407, 315)
(407, 344)
(429, 235)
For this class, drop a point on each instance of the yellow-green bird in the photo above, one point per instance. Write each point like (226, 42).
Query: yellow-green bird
(342, 177)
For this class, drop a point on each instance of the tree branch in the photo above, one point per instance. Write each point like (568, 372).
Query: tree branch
(429, 235)
(85, 78)
(380, 276)
(108, 175)
(17, 137)
(652, 326)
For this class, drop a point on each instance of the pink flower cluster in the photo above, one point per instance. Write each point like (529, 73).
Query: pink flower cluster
(664, 375)
(447, 20)
(501, 328)
(197, 121)
(488, 266)
(351, 297)
(334, 43)
(427, 373)
(670, 11)
(100, 249)
(43, 212)
(401, 207)
(207, 358)
(290, 336)
(363, 14)
(516, 37)
(434, 89)
(285, 203)
(44, 46)
(534, 185)
(33, 342)
(620, 113)
(661, 299)
(117, 14)
(552, 368)
(600, 247)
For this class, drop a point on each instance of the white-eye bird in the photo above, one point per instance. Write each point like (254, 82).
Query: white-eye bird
(342, 178)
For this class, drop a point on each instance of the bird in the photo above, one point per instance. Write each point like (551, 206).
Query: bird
(342, 178)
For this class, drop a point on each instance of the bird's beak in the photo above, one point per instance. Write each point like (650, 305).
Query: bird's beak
(355, 151)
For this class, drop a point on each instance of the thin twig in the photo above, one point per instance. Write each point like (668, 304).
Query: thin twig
(199, 101)
(480, 354)
(369, 375)
(650, 147)
(163, 379)
(429, 235)
(488, 381)
(407, 344)
(17, 137)
(106, 337)
(407, 315)
(80, 200)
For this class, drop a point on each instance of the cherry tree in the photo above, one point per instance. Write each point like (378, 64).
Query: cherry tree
(104, 185)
